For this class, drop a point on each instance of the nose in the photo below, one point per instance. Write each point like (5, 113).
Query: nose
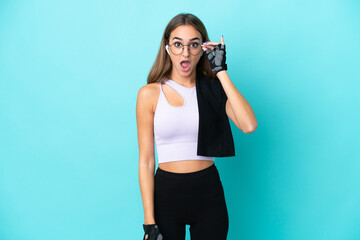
(186, 52)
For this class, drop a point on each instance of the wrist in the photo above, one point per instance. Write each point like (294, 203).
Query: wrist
(149, 221)
(221, 72)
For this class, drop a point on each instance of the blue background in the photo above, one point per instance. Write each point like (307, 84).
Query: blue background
(69, 76)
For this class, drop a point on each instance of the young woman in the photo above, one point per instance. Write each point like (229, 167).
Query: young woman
(185, 107)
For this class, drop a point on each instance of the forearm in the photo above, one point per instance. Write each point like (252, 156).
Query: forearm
(146, 181)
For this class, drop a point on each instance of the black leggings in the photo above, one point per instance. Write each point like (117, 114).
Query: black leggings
(196, 199)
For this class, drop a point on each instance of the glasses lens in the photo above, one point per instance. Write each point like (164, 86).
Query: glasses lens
(195, 48)
(176, 48)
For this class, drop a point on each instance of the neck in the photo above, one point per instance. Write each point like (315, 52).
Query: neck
(184, 80)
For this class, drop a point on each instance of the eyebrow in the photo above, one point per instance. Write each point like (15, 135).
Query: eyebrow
(190, 39)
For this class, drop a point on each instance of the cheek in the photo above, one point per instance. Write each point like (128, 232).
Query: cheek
(197, 60)
(174, 61)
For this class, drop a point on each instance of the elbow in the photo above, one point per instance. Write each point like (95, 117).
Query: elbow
(146, 168)
(148, 162)
(250, 129)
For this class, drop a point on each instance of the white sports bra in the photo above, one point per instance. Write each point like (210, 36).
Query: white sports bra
(176, 127)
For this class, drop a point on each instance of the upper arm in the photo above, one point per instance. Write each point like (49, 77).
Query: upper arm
(145, 123)
(228, 109)
(230, 113)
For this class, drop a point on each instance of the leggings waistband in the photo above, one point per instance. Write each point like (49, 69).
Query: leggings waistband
(175, 175)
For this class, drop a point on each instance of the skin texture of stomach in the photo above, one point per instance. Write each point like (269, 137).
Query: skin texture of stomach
(185, 166)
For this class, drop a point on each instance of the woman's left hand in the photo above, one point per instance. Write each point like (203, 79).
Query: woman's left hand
(217, 62)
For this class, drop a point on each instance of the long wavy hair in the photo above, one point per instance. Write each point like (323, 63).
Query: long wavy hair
(163, 65)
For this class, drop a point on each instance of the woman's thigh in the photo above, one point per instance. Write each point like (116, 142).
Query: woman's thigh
(169, 208)
(207, 212)
(212, 220)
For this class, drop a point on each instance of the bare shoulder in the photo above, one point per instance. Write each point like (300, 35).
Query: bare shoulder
(148, 95)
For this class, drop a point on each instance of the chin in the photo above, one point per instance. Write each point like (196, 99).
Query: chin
(186, 73)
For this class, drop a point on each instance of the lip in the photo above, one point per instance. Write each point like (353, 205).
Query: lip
(185, 69)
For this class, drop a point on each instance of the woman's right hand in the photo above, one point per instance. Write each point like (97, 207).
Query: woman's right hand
(152, 232)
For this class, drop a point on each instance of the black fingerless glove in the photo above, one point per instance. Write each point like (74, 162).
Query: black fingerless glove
(153, 232)
(217, 62)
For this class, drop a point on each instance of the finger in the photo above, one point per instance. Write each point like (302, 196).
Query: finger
(222, 40)
(210, 55)
(212, 43)
(205, 47)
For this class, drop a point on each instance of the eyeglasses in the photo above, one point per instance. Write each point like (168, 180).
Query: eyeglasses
(177, 48)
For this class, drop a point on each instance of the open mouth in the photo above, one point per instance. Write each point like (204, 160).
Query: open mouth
(185, 66)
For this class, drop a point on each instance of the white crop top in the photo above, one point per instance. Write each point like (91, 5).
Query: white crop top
(176, 127)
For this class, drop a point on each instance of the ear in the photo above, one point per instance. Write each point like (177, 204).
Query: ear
(167, 49)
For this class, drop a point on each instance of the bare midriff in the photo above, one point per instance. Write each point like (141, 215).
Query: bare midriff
(186, 166)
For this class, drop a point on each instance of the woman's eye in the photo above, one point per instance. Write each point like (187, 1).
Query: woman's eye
(177, 44)
(195, 44)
